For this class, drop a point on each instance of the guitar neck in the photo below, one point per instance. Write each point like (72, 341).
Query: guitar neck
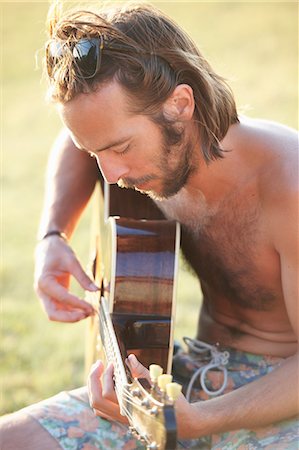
(112, 351)
(148, 417)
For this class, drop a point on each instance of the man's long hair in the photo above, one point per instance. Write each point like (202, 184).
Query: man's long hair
(149, 56)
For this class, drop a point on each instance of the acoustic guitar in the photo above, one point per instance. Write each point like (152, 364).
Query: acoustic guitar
(135, 266)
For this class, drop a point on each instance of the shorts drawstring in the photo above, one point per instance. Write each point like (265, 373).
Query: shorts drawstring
(217, 360)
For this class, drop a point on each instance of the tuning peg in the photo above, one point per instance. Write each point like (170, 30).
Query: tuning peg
(155, 372)
(163, 380)
(173, 390)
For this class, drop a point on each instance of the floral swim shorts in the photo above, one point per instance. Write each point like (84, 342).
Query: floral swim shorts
(203, 371)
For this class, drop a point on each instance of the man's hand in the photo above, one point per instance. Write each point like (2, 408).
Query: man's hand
(101, 391)
(102, 396)
(55, 262)
(103, 400)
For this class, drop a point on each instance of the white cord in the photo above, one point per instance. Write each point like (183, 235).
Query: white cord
(217, 360)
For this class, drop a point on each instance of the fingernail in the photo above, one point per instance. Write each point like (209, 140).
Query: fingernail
(97, 363)
(132, 360)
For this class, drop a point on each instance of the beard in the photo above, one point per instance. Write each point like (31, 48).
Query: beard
(175, 163)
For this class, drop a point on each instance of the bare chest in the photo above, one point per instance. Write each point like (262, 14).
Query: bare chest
(230, 252)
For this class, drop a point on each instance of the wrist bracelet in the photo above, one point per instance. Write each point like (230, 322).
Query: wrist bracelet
(55, 233)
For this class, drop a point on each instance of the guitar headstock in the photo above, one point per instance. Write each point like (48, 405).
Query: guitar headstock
(150, 407)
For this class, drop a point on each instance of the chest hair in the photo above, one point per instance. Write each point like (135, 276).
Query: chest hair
(222, 245)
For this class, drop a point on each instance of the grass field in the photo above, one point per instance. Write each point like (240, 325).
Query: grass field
(253, 44)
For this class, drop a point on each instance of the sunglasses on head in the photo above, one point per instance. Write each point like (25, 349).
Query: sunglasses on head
(86, 54)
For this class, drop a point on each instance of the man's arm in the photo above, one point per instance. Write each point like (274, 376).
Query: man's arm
(270, 399)
(70, 181)
(71, 177)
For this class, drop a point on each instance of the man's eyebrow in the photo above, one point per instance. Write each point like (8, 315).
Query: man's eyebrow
(111, 144)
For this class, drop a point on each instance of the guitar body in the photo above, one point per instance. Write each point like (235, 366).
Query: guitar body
(135, 266)
(138, 282)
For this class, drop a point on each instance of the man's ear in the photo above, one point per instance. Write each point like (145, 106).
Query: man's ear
(180, 105)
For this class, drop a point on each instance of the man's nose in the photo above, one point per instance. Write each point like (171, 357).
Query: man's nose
(112, 167)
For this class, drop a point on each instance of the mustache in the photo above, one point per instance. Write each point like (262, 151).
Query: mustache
(133, 182)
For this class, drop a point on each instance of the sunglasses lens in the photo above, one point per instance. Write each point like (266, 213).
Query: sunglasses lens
(85, 54)
(54, 53)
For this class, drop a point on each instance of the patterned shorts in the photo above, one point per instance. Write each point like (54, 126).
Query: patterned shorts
(68, 418)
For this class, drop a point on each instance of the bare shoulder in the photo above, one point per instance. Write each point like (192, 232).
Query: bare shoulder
(272, 136)
(278, 177)
(277, 146)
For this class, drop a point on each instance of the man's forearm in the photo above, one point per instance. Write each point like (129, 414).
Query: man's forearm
(270, 399)
(71, 177)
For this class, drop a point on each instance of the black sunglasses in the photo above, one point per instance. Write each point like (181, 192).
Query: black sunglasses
(86, 53)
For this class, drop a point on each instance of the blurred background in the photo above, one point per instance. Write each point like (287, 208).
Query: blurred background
(253, 44)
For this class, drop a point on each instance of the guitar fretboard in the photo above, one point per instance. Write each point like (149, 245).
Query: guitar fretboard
(112, 351)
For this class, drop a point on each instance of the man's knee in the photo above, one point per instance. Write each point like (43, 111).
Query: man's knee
(20, 431)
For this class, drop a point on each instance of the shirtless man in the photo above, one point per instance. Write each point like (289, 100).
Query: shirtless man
(161, 121)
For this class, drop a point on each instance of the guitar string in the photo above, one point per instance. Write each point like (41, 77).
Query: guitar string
(119, 385)
(158, 424)
(142, 410)
(122, 391)
(112, 352)
(113, 356)
(128, 397)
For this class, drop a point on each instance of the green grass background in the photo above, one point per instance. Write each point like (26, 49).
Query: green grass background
(254, 44)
